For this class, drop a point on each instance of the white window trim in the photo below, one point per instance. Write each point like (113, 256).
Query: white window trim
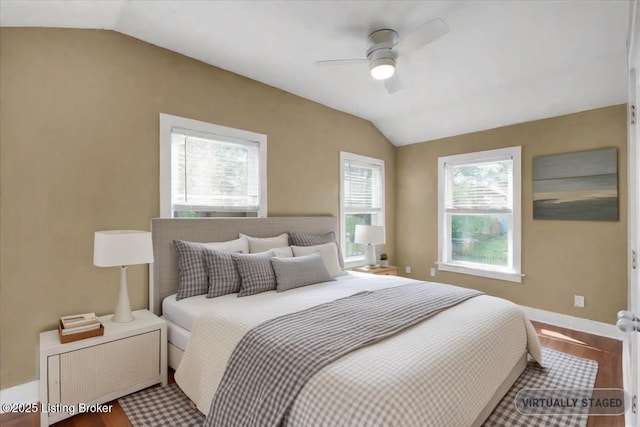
(357, 261)
(168, 122)
(511, 275)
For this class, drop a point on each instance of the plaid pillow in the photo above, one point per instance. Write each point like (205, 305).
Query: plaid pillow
(306, 239)
(256, 273)
(223, 276)
(299, 271)
(192, 270)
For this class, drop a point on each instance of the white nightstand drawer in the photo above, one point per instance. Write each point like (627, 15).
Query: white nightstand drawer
(92, 372)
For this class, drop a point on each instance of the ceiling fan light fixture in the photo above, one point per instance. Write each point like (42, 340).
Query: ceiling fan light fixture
(383, 68)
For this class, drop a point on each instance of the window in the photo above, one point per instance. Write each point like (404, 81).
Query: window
(210, 170)
(479, 214)
(361, 200)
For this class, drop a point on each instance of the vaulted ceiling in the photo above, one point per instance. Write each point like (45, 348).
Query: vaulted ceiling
(502, 62)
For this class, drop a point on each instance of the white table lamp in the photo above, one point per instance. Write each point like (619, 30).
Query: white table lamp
(121, 248)
(369, 235)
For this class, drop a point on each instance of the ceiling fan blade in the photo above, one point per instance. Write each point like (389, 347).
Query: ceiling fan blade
(422, 36)
(341, 62)
(393, 85)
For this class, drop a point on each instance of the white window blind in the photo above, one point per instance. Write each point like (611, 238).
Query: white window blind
(362, 185)
(211, 173)
(480, 186)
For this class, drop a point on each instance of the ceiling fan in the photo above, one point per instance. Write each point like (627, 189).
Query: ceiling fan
(386, 46)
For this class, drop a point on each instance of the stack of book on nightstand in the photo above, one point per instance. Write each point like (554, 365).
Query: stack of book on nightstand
(79, 326)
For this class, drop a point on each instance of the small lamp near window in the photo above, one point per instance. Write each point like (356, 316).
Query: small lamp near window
(369, 235)
(121, 248)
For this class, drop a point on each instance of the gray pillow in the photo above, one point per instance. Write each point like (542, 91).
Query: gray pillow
(192, 270)
(299, 271)
(329, 252)
(306, 239)
(223, 276)
(256, 273)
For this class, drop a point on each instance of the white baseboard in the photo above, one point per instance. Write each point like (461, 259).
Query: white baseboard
(574, 323)
(23, 393)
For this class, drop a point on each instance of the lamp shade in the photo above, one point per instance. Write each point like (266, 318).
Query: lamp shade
(122, 247)
(369, 234)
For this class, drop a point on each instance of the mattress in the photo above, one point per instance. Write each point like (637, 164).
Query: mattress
(184, 312)
(176, 334)
(469, 350)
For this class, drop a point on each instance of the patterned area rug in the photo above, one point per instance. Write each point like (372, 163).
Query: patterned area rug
(168, 406)
(561, 371)
(160, 407)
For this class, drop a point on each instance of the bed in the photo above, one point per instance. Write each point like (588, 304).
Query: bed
(451, 369)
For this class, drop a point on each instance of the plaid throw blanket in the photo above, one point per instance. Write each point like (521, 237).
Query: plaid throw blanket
(274, 360)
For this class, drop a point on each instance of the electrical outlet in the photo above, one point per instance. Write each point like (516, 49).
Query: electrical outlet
(433, 272)
(407, 269)
(578, 301)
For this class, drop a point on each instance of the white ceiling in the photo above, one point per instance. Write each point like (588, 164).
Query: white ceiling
(502, 62)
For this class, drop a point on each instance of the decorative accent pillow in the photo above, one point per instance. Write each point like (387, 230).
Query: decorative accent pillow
(238, 245)
(285, 252)
(329, 252)
(192, 271)
(256, 273)
(193, 277)
(223, 276)
(300, 271)
(263, 244)
(306, 239)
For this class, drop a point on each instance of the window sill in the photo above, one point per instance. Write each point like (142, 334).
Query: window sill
(353, 262)
(490, 274)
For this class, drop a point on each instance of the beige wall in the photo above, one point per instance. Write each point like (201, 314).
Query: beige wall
(559, 258)
(79, 153)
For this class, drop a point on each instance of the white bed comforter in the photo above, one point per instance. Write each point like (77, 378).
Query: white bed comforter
(454, 360)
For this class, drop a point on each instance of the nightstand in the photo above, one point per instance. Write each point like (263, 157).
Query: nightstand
(83, 375)
(390, 270)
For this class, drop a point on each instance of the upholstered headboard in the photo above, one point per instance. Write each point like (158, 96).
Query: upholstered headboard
(163, 273)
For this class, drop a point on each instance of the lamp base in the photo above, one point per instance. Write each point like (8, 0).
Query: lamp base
(370, 255)
(122, 313)
(122, 318)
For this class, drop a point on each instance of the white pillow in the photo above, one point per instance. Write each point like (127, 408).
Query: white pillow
(284, 252)
(238, 245)
(329, 252)
(263, 244)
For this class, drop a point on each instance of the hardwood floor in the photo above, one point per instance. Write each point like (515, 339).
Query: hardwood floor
(607, 352)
